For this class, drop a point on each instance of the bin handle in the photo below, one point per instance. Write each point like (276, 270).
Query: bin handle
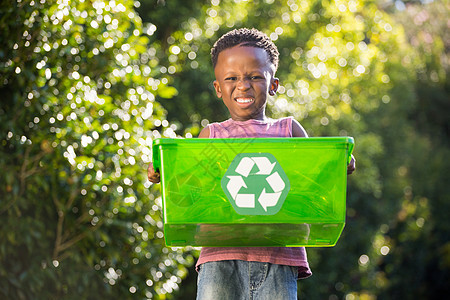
(155, 158)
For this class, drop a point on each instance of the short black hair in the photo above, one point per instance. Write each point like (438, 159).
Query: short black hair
(245, 37)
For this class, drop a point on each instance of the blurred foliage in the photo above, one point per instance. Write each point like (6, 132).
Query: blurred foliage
(78, 115)
(86, 86)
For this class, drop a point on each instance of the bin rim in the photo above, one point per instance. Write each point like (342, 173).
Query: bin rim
(345, 139)
(173, 141)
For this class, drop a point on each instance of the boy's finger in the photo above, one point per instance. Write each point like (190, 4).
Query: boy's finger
(351, 167)
(155, 178)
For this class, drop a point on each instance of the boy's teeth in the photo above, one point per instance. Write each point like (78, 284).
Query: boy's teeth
(244, 100)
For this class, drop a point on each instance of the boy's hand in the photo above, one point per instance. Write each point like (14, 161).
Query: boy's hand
(152, 175)
(351, 166)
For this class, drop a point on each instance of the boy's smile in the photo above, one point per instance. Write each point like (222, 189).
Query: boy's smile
(244, 79)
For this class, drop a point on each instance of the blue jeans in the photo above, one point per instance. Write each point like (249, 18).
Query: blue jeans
(243, 280)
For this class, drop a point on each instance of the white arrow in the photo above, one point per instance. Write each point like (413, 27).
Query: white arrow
(245, 166)
(268, 199)
(234, 185)
(264, 165)
(276, 183)
(245, 200)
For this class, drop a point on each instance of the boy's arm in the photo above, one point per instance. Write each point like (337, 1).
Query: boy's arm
(351, 167)
(204, 133)
(299, 131)
(154, 176)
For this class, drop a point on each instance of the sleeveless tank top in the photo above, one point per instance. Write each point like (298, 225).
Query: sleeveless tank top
(290, 256)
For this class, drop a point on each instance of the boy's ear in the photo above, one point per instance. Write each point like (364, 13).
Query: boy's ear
(274, 86)
(217, 88)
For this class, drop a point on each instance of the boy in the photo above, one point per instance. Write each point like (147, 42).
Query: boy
(245, 62)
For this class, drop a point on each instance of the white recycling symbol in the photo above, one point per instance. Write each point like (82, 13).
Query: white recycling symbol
(266, 171)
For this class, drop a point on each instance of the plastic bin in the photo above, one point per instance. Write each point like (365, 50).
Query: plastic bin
(253, 191)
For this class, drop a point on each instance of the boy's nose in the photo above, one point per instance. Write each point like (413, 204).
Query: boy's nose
(243, 84)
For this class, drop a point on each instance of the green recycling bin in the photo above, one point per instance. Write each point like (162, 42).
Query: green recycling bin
(253, 191)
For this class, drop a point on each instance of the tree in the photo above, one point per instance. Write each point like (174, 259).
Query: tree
(78, 115)
(416, 237)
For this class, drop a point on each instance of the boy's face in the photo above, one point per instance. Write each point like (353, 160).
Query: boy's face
(244, 79)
